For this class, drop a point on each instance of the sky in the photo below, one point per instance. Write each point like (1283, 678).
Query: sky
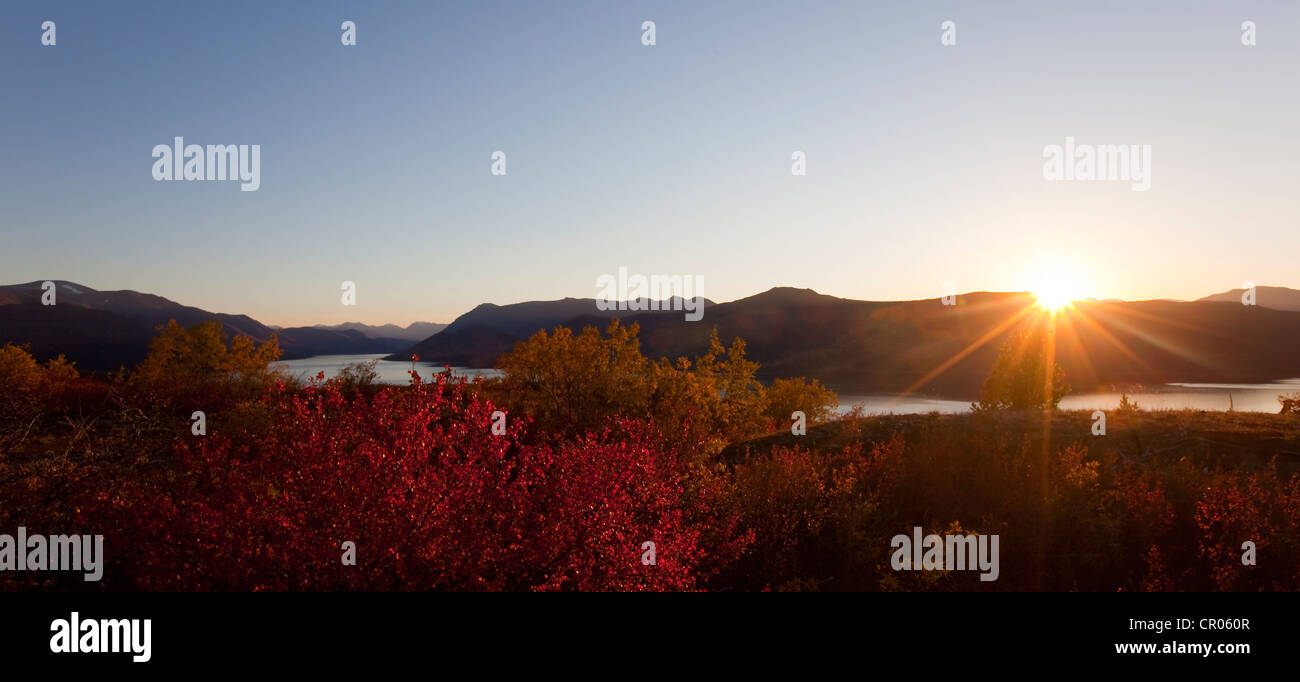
(924, 161)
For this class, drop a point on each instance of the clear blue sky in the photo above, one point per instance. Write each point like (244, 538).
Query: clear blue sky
(924, 161)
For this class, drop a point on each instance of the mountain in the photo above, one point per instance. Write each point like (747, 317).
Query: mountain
(105, 330)
(894, 346)
(480, 336)
(1277, 298)
(303, 342)
(95, 339)
(850, 345)
(523, 319)
(145, 309)
(413, 332)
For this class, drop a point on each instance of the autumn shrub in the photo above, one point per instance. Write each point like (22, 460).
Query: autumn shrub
(1072, 515)
(30, 390)
(22, 378)
(1290, 403)
(200, 369)
(782, 498)
(1127, 405)
(20, 375)
(574, 382)
(569, 381)
(815, 517)
(431, 499)
(1262, 508)
(783, 397)
(358, 377)
(565, 500)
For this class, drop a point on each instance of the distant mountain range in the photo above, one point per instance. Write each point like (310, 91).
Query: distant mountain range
(104, 330)
(416, 331)
(873, 346)
(851, 345)
(1277, 298)
(480, 336)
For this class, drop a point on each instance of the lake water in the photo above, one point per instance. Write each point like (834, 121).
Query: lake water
(390, 372)
(1178, 396)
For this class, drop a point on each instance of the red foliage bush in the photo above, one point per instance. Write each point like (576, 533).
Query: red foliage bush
(431, 498)
(1263, 508)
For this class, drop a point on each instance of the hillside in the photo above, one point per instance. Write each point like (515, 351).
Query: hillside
(105, 330)
(874, 346)
(850, 345)
(416, 331)
(1277, 298)
(480, 336)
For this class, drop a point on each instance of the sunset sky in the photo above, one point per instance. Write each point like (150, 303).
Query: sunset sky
(925, 162)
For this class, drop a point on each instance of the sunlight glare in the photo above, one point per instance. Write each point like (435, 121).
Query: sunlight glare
(1055, 286)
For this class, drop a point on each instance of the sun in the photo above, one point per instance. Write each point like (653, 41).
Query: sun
(1055, 285)
(1052, 299)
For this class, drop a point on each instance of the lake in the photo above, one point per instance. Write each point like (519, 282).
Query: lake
(390, 372)
(1176, 396)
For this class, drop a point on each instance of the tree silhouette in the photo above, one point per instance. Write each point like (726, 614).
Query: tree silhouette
(1020, 378)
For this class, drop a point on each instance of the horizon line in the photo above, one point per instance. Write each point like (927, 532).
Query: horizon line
(65, 282)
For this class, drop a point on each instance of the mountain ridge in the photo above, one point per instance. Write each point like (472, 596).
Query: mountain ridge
(922, 345)
(416, 331)
(851, 345)
(105, 330)
(1276, 298)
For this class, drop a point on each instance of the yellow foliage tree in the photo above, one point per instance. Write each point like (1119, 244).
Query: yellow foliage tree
(197, 362)
(1025, 375)
(26, 386)
(575, 382)
(785, 396)
(568, 380)
(21, 375)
